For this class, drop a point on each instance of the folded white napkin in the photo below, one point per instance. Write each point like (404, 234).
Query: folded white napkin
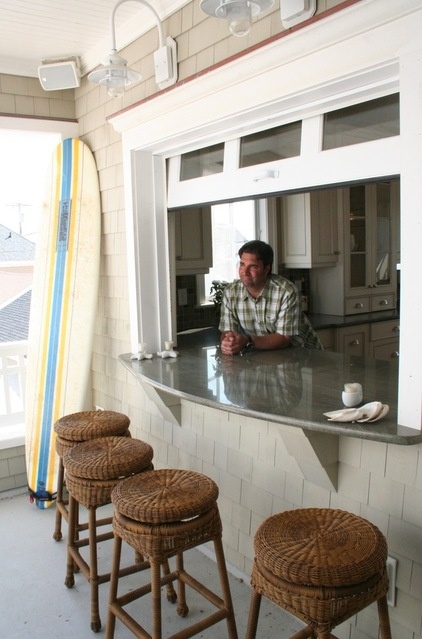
(371, 412)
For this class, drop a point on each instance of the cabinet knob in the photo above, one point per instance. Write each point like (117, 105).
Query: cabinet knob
(384, 303)
(358, 305)
(355, 342)
(395, 354)
(396, 329)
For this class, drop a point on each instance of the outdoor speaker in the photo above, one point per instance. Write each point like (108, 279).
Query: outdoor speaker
(59, 75)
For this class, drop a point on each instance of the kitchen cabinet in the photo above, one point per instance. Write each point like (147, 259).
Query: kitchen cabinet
(327, 337)
(193, 240)
(369, 246)
(309, 229)
(384, 340)
(365, 278)
(378, 340)
(353, 340)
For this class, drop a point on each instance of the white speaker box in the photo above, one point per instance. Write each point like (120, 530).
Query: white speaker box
(59, 75)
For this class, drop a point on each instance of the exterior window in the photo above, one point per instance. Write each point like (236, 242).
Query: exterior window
(202, 162)
(362, 123)
(233, 224)
(271, 145)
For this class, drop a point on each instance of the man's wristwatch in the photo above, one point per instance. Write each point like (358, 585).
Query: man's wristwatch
(249, 346)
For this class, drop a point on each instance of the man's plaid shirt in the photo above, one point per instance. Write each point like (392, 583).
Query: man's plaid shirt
(278, 309)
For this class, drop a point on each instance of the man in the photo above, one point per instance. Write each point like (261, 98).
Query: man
(261, 310)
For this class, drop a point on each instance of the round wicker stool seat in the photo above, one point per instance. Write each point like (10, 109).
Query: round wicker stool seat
(162, 514)
(93, 468)
(76, 428)
(321, 565)
(90, 424)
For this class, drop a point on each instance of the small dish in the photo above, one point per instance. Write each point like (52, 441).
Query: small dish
(370, 411)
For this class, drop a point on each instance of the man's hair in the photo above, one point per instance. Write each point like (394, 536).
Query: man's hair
(261, 250)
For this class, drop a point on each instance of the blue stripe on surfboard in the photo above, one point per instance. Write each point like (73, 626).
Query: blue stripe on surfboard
(54, 332)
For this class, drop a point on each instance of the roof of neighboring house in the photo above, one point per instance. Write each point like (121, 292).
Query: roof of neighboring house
(14, 319)
(15, 247)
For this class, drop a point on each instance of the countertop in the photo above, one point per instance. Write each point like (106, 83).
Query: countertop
(293, 386)
(320, 321)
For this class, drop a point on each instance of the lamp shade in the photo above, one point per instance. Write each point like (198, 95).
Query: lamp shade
(115, 75)
(238, 13)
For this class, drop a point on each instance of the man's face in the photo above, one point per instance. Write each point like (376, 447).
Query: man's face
(252, 272)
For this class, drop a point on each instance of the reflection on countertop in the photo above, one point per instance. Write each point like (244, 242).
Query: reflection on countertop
(294, 386)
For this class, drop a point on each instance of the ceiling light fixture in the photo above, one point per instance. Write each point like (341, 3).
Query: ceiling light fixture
(115, 75)
(238, 13)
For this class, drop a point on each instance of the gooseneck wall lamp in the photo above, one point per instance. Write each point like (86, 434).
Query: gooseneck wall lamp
(238, 13)
(115, 75)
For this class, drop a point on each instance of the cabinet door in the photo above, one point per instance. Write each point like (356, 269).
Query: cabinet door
(353, 340)
(327, 338)
(309, 229)
(193, 240)
(370, 255)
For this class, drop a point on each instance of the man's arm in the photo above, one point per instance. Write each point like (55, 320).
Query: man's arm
(232, 342)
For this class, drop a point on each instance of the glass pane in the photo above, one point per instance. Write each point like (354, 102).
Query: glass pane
(357, 237)
(383, 257)
(202, 162)
(233, 224)
(362, 122)
(267, 146)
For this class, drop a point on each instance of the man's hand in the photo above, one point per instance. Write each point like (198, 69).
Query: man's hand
(232, 343)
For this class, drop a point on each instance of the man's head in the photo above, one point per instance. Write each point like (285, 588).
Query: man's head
(255, 264)
(261, 250)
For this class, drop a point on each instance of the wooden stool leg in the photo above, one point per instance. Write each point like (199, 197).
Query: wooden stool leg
(182, 607)
(254, 609)
(384, 618)
(114, 581)
(70, 568)
(60, 505)
(156, 599)
(171, 593)
(93, 571)
(225, 587)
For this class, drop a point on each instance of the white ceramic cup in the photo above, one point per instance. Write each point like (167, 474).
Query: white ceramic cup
(352, 399)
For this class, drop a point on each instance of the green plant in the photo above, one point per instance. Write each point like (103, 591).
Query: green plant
(217, 290)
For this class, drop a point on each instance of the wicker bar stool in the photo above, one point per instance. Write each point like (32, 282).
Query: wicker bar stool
(161, 515)
(93, 468)
(76, 428)
(321, 565)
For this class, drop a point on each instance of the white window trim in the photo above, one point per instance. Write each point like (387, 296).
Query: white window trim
(231, 101)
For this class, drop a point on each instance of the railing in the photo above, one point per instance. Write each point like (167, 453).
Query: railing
(12, 383)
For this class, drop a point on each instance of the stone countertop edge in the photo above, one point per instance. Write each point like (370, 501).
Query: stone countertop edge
(302, 385)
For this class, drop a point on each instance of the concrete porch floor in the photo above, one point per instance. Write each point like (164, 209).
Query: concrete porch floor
(35, 603)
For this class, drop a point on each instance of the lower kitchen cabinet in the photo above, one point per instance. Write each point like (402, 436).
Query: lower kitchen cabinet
(384, 343)
(353, 340)
(378, 340)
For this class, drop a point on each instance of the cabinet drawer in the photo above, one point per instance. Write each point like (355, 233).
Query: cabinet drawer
(382, 330)
(383, 302)
(353, 340)
(354, 305)
(386, 350)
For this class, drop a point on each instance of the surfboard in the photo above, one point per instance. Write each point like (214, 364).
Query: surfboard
(63, 308)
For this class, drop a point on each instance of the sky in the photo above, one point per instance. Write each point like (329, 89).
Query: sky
(24, 165)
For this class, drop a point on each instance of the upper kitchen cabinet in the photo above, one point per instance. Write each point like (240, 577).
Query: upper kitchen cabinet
(193, 240)
(365, 279)
(370, 212)
(309, 229)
